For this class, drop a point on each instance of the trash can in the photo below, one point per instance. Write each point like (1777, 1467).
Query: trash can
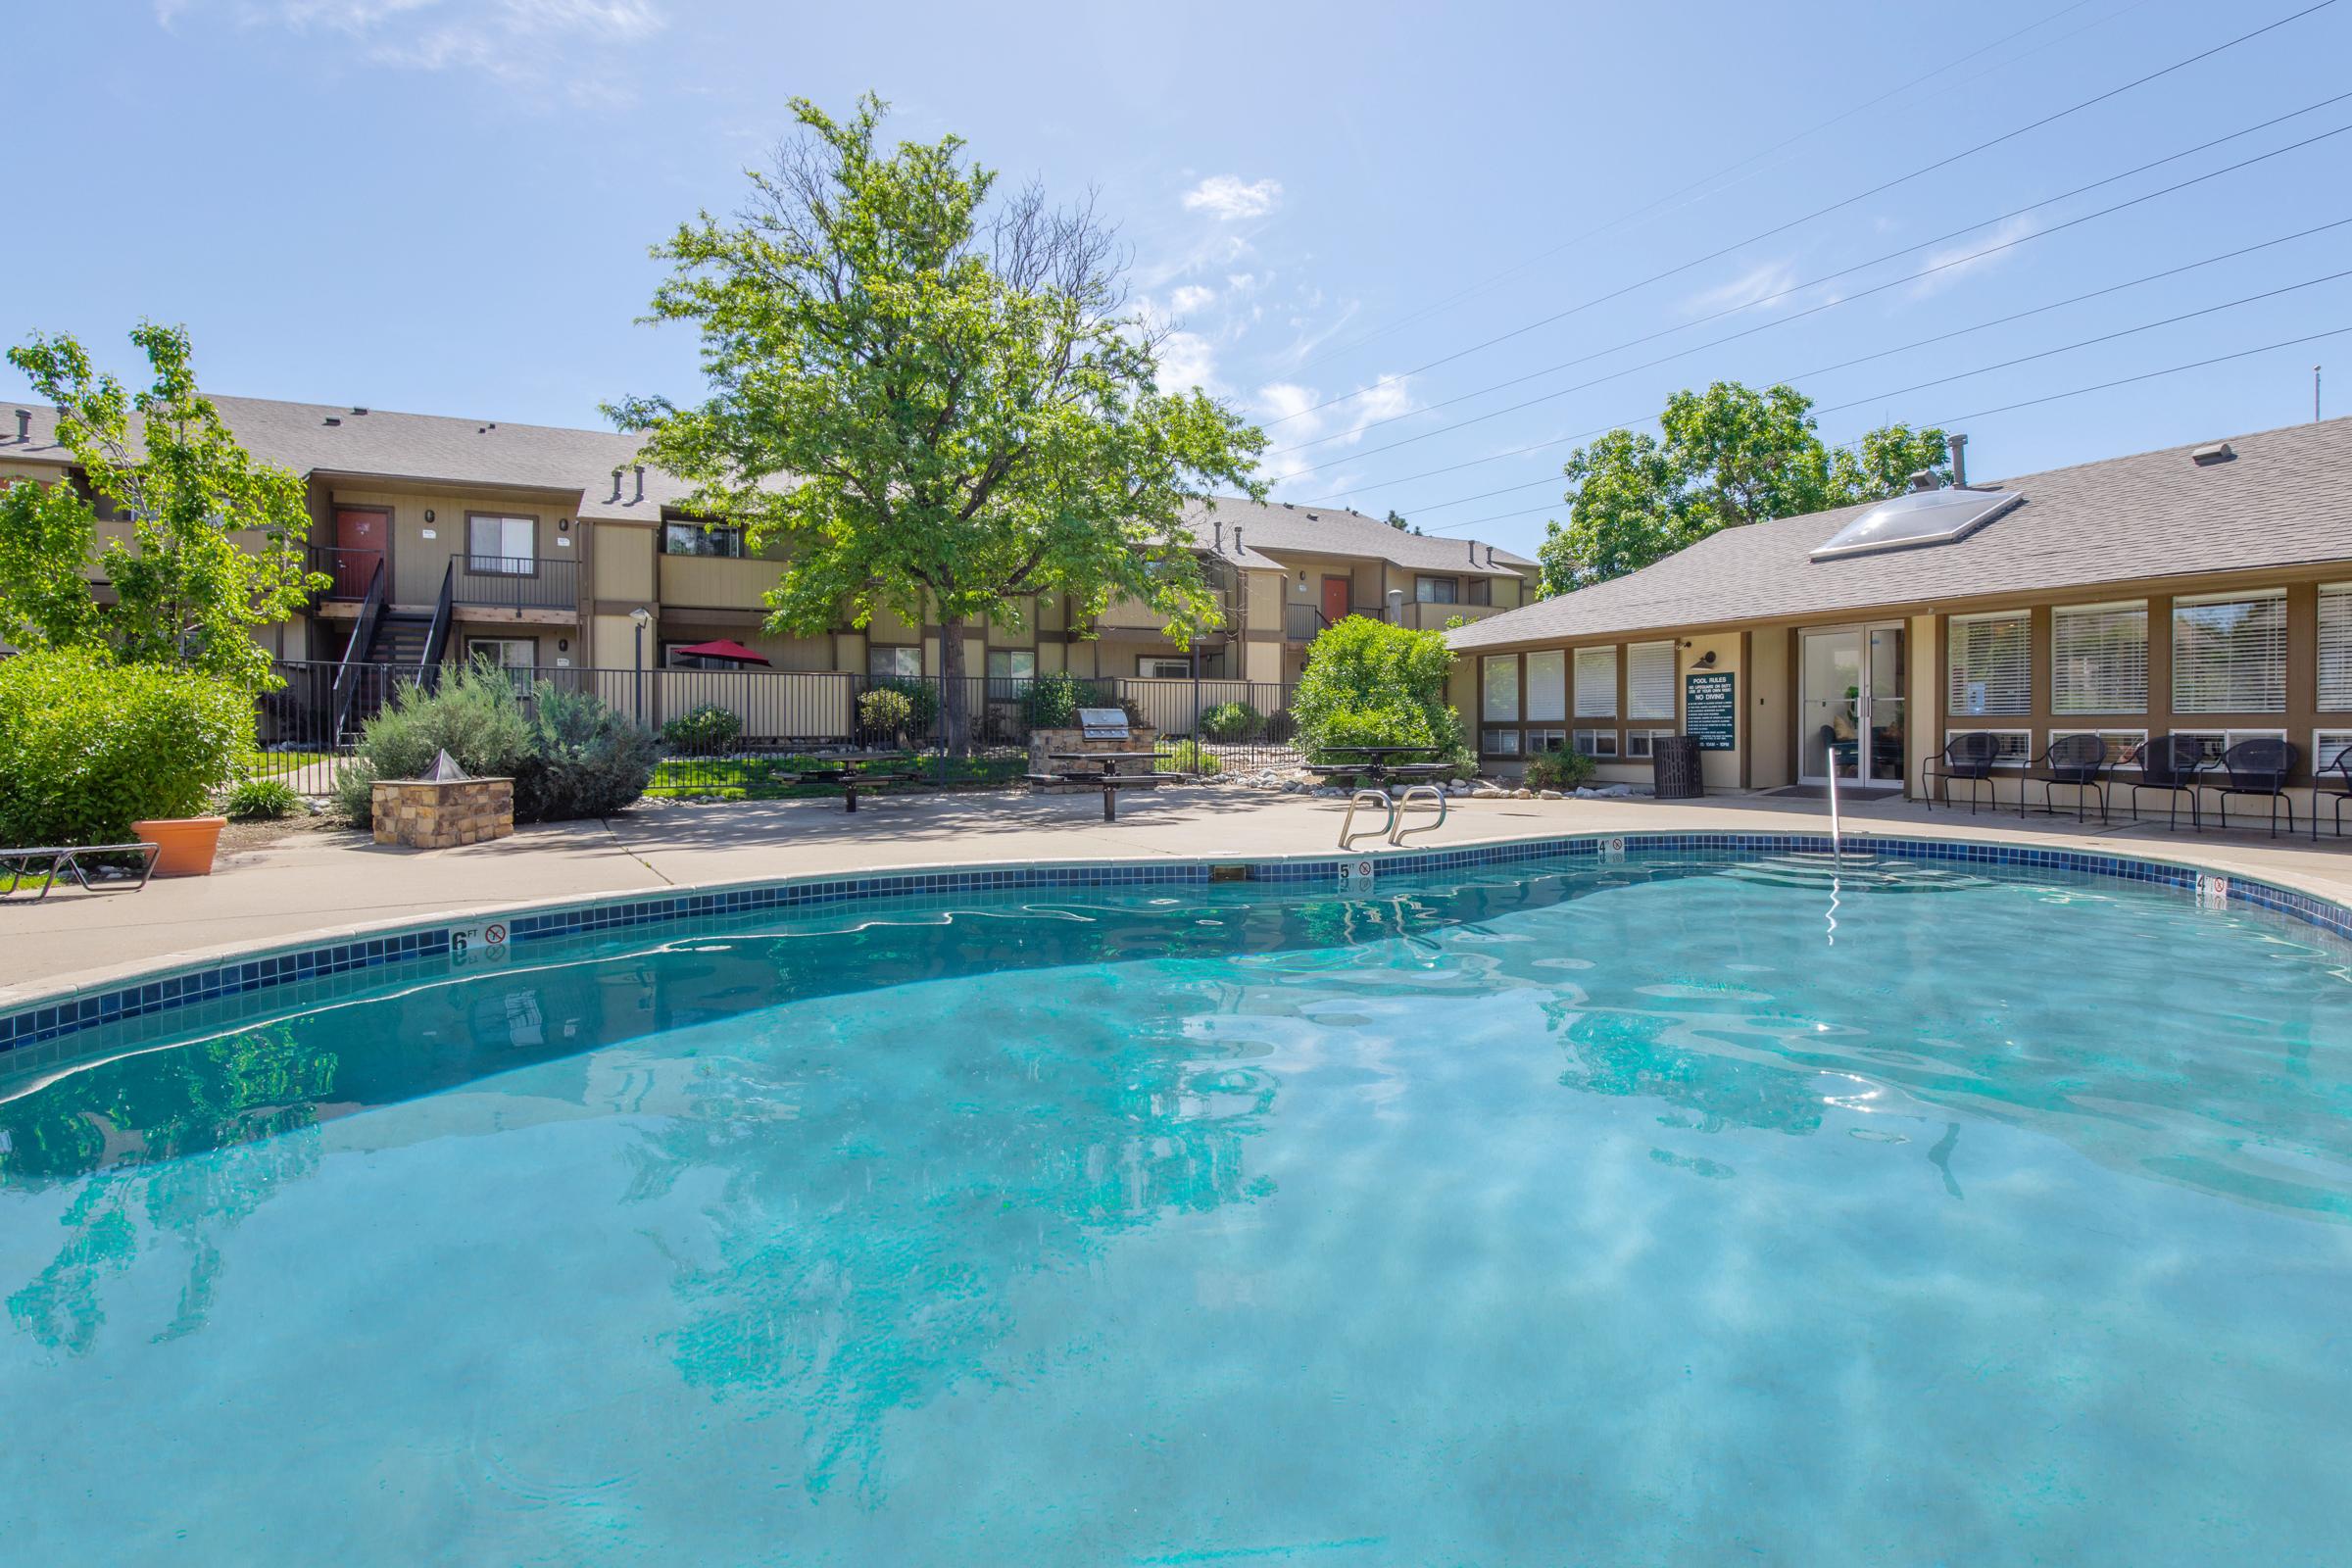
(1676, 760)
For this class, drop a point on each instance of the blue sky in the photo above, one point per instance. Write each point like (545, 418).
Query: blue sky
(444, 205)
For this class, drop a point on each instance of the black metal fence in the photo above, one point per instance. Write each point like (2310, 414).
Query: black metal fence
(727, 730)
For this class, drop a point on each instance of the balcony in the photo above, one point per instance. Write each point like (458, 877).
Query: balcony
(717, 582)
(514, 582)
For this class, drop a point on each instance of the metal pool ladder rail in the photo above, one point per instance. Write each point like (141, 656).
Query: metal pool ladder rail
(1368, 797)
(1837, 835)
(1415, 792)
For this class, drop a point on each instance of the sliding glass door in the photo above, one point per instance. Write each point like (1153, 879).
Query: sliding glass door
(1851, 710)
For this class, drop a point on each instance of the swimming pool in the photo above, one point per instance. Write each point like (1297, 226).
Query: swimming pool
(1680, 1209)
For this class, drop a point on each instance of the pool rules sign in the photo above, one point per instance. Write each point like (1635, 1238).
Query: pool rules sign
(1711, 709)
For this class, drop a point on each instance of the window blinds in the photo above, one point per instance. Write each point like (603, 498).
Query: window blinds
(1499, 693)
(1546, 686)
(1650, 680)
(1597, 683)
(2099, 659)
(2230, 654)
(1991, 662)
(2335, 648)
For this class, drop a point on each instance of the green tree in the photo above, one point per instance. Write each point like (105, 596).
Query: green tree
(936, 403)
(1722, 459)
(215, 545)
(1396, 520)
(1368, 683)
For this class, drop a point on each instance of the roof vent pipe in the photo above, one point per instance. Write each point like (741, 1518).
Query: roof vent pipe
(1923, 479)
(640, 496)
(1219, 524)
(616, 484)
(1236, 538)
(1474, 552)
(1489, 555)
(24, 425)
(1959, 446)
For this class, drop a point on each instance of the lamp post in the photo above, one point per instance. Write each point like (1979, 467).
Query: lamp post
(639, 618)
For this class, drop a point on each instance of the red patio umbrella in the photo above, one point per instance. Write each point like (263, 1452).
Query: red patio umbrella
(732, 651)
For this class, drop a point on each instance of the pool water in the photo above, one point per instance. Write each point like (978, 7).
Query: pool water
(1659, 1212)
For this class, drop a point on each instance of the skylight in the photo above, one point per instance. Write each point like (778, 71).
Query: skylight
(1917, 519)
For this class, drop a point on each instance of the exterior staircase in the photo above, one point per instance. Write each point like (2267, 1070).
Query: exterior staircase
(400, 639)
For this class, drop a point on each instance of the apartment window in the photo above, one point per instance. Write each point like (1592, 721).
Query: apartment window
(1010, 672)
(2331, 748)
(1498, 688)
(1546, 687)
(1499, 742)
(1596, 684)
(894, 661)
(2215, 741)
(516, 656)
(1645, 742)
(2121, 743)
(1436, 591)
(1991, 662)
(694, 539)
(2015, 746)
(1151, 668)
(1650, 680)
(2335, 648)
(1600, 743)
(508, 545)
(2099, 659)
(2230, 654)
(1482, 591)
(1539, 741)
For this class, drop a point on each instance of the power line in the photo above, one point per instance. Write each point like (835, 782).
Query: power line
(1735, 166)
(1979, 326)
(1828, 277)
(1819, 212)
(1981, 414)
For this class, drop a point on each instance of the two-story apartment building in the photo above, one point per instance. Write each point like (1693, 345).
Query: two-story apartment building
(2203, 591)
(555, 548)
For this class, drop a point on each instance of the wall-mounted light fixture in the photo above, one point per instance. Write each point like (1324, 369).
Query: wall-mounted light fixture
(1706, 660)
(428, 514)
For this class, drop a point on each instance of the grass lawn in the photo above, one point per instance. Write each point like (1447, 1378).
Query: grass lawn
(769, 778)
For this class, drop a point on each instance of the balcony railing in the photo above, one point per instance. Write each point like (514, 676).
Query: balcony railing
(514, 582)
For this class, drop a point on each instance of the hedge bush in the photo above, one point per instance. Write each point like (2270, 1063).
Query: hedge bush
(1231, 721)
(261, 800)
(1561, 771)
(885, 710)
(571, 756)
(88, 747)
(1187, 756)
(1368, 683)
(923, 698)
(1054, 699)
(707, 729)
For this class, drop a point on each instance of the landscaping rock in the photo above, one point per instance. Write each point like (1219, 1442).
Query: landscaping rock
(1487, 792)
(1549, 795)
(1523, 794)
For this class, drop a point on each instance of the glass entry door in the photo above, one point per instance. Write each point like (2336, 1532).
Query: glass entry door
(1851, 711)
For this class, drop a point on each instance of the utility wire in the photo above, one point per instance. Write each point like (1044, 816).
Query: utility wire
(1828, 277)
(1819, 212)
(1733, 168)
(1999, 321)
(1976, 413)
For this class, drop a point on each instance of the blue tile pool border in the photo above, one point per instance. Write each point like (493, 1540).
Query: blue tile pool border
(51, 1017)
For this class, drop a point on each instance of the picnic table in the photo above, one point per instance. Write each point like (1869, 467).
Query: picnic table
(1382, 765)
(1104, 776)
(857, 770)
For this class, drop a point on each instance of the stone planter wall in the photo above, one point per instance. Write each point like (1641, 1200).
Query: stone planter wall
(419, 814)
(1043, 743)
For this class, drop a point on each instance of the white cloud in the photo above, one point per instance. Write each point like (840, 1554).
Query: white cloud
(1187, 359)
(1758, 283)
(512, 41)
(1227, 197)
(1313, 436)
(1967, 257)
(1190, 298)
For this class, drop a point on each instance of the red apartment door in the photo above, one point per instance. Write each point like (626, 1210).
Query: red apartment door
(1335, 599)
(359, 545)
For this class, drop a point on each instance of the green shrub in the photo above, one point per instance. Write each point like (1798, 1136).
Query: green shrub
(586, 758)
(1054, 699)
(261, 800)
(923, 698)
(1368, 683)
(88, 747)
(572, 756)
(709, 729)
(885, 710)
(1187, 756)
(1561, 771)
(1231, 721)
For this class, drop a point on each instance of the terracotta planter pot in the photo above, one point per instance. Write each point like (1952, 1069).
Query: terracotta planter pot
(187, 843)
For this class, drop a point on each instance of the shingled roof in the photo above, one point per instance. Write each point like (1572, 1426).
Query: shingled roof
(1289, 529)
(2284, 499)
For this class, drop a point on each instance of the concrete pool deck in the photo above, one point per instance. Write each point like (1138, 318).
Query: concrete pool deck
(313, 883)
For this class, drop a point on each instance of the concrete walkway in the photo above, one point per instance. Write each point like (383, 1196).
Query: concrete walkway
(312, 883)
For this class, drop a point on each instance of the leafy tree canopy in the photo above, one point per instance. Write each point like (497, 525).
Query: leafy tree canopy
(216, 539)
(939, 404)
(1368, 683)
(1723, 458)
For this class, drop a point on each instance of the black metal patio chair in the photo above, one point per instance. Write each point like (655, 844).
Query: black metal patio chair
(2259, 768)
(2173, 764)
(1969, 757)
(2332, 782)
(2077, 762)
